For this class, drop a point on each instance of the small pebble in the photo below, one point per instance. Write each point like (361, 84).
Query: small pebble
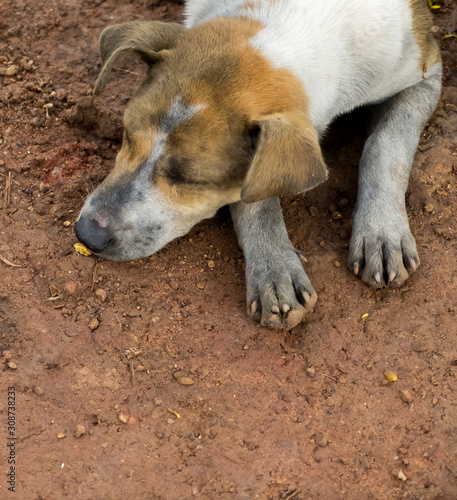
(428, 208)
(37, 121)
(61, 94)
(425, 429)
(201, 286)
(80, 430)
(343, 203)
(336, 216)
(321, 440)
(70, 287)
(61, 435)
(211, 264)
(313, 211)
(9, 71)
(12, 365)
(101, 294)
(123, 418)
(406, 396)
(44, 188)
(38, 391)
(337, 263)
(311, 371)
(94, 324)
(7, 355)
(67, 223)
(185, 381)
(401, 476)
(40, 103)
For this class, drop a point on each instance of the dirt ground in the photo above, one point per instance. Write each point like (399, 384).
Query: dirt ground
(303, 414)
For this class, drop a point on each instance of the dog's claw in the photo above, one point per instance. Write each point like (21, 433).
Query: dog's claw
(285, 308)
(275, 309)
(254, 307)
(377, 277)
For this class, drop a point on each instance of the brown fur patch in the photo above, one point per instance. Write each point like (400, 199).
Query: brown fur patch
(422, 23)
(207, 158)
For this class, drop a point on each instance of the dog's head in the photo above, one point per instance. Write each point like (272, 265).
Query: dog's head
(213, 123)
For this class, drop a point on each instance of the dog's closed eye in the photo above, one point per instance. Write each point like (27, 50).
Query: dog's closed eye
(179, 173)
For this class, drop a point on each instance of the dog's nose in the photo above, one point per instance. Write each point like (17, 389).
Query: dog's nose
(95, 237)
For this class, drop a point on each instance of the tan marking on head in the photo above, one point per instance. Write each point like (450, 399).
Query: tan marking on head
(422, 23)
(215, 65)
(240, 90)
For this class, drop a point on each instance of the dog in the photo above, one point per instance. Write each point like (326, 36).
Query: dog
(231, 113)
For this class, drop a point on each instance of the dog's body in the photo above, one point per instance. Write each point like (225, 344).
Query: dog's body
(231, 113)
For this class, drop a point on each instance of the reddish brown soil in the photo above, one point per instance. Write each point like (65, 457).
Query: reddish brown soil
(305, 414)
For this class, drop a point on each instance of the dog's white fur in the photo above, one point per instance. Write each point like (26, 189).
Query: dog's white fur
(336, 47)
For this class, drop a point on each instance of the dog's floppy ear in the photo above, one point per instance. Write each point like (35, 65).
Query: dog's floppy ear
(288, 159)
(149, 39)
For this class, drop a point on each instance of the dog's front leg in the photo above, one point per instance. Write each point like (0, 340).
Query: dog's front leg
(382, 249)
(278, 289)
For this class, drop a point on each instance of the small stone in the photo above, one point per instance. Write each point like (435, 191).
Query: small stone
(94, 324)
(185, 381)
(12, 365)
(40, 103)
(140, 368)
(428, 208)
(343, 203)
(211, 264)
(336, 216)
(406, 396)
(7, 355)
(61, 435)
(70, 287)
(321, 440)
(179, 374)
(9, 71)
(122, 417)
(14, 31)
(201, 286)
(44, 188)
(313, 211)
(67, 223)
(101, 294)
(425, 429)
(80, 430)
(37, 121)
(435, 401)
(337, 264)
(311, 371)
(61, 94)
(38, 391)
(401, 476)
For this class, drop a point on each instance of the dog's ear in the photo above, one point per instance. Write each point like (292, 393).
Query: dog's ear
(288, 159)
(150, 40)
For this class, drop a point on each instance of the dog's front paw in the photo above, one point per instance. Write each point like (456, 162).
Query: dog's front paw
(279, 293)
(385, 256)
